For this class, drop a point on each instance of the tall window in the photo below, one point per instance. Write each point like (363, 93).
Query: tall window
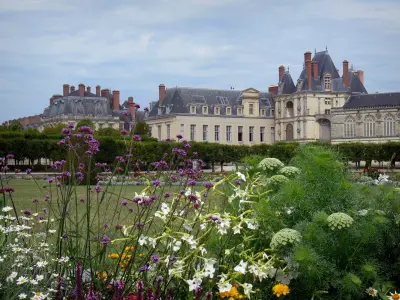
(263, 111)
(216, 133)
(229, 110)
(349, 127)
(369, 126)
(192, 109)
(327, 111)
(251, 134)
(240, 111)
(389, 126)
(327, 82)
(251, 109)
(229, 133)
(168, 131)
(205, 109)
(159, 132)
(240, 134)
(272, 134)
(262, 134)
(289, 109)
(182, 129)
(205, 132)
(192, 132)
(216, 110)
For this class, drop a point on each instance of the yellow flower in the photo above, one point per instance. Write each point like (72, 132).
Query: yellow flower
(394, 296)
(141, 254)
(113, 255)
(129, 248)
(233, 294)
(280, 289)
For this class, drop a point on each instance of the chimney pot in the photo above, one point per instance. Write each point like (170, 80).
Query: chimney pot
(360, 74)
(161, 93)
(98, 91)
(81, 90)
(88, 89)
(115, 101)
(307, 62)
(281, 72)
(105, 93)
(72, 89)
(346, 73)
(273, 89)
(65, 89)
(132, 108)
(314, 65)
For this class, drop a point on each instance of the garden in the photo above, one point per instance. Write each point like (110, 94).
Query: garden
(296, 225)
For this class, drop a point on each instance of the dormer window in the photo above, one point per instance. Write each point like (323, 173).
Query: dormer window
(159, 110)
(168, 109)
(228, 110)
(205, 110)
(299, 85)
(240, 111)
(263, 112)
(217, 110)
(327, 82)
(192, 109)
(251, 109)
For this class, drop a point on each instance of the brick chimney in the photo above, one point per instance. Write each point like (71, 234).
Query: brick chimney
(65, 89)
(161, 93)
(132, 108)
(281, 72)
(105, 93)
(88, 89)
(81, 90)
(98, 91)
(314, 65)
(273, 89)
(307, 63)
(52, 100)
(360, 74)
(346, 73)
(115, 97)
(72, 89)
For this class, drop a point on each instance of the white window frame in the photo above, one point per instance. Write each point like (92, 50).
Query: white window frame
(251, 108)
(159, 132)
(369, 126)
(262, 134)
(229, 133)
(182, 129)
(205, 133)
(327, 82)
(193, 109)
(217, 110)
(240, 134)
(205, 110)
(272, 135)
(216, 132)
(229, 110)
(192, 132)
(349, 128)
(389, 126)
(168, 131)
(251, 134)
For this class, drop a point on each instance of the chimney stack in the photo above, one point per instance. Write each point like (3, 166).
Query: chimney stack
(281, 72)
(105, 93)
(273, 89)
(346, 73)
(65, 89)
(88, 89)
(72, 89)
(52, 100)
(360, 74)
(98, 90)
(314, 65)
(132, 108)
(81, 90)
(307, 62)
(115, 97)
(161, 93)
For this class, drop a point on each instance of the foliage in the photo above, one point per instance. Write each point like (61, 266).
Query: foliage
(142, 128)
(108, 132)
(85, 122)
(53, 130)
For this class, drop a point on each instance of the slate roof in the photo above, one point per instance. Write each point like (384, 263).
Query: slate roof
(373, 100)
(286, 86)
(326, 65)
(178, 100)
(86, 94)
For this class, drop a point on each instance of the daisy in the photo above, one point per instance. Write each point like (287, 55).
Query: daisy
(394, 296)
(371, 291)
(21, 280)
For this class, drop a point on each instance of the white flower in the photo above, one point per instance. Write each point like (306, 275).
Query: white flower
(177, 245)
(247, 289)
(241, 176)
(152, 242)
(22, 296)
(202, 250)
(190, 240)
(142, 240)
(194, 284)
(13, 275)
(203, 226)
(289, 171)
(372, 292)
(362, 212)
(7, 208)
(394, 296)
(41, 264)
(187, 226)
(270, 164)
(285, 236)
(209, 269)
(241, 267)
(63, 259)
(223, 284)
(22, 280)
(33, 282)
(237, 228)
(339, 220)
(165, 209)
(251, 224)
(52, 231)
(39, 277)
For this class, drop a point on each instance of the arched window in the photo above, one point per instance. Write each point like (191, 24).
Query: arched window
(350, 127)
(369, 126)
(327, 82)
(389, 126)
(289, 109)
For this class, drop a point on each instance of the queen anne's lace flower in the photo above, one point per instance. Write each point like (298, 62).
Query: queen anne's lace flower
(270, 164)
(289, 171)
(277, 180)
(284, 237)
(339, 221)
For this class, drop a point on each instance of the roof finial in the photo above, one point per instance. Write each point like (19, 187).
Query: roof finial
(326, 48)
(288, 68)
(315, 50)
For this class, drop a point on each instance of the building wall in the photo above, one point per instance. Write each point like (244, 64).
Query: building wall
(309, 109)
(339, 117)
(178, 122)
(98, 122)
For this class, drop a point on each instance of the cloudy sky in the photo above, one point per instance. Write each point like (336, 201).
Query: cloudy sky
(135, 45)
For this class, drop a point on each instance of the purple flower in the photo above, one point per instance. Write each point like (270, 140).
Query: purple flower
(208, 185)
(167, 194)
(71, 125)
(98, 189)
(144, 268)
(10, 156)
(105, 240)
(64, 236)
(124, 202)
(179, 136)
(105, 226)
(131, 210)
(124, 132)
(137, 138)
(137, 106)
(50, 180)
(61, 142)
(46, 198)
(27, 212)
(191, 182)
(156, 183)
(238, 182)
(46, 210)
(118, 227)
(146, 109)
(35, 200)
(214, 218)
(28, 171)
(66, 131)
(155, 258)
